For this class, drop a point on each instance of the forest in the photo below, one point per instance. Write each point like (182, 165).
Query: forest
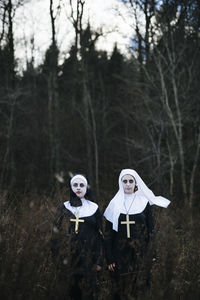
(97, 113)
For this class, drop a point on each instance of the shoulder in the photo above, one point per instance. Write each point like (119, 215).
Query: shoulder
(109, 211)
(66, 205)
(59, 213)
(147, 208)
(98, 213)
(92, 205)
(141, 204)
(63, 208)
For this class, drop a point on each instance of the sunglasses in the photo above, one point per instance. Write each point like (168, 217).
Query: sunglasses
(76, 185)
(126, 181)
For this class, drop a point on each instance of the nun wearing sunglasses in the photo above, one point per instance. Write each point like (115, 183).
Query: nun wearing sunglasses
(128, 231)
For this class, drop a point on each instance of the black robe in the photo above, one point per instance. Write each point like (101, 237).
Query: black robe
(128, 253)
(76, 254)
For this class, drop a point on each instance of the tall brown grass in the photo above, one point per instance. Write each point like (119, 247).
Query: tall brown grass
(28, 272)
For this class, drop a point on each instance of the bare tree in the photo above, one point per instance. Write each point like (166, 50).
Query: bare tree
(88, 113)
(76, 17)
(165, 83)
(8, 165)
(172, 98)
(3, 11)
(53, 98)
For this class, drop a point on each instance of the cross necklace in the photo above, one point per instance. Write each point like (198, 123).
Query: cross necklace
(77, 220)
(128, 222)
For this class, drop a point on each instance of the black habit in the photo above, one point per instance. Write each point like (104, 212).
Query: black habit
(129, 254)
(77, 253)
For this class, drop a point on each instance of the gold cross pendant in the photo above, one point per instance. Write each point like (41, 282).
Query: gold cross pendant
(127, 223)
(77, 221)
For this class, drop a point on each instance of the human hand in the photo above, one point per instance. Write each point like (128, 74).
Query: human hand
(98, 268)
(111, 267)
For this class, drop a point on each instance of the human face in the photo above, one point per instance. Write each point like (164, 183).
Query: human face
(79, 187)
(128, 183)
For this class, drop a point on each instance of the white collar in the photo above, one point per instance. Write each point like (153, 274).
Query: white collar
(87, 209)
(133, 204)
(113, 210)
(142, 197)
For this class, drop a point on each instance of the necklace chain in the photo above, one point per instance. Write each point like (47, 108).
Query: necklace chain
(127, 211)
(76, 210)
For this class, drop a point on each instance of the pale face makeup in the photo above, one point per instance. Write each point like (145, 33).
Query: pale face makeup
(79, 187)
(128, 183)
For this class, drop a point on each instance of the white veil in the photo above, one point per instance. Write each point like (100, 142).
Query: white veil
(142, 196)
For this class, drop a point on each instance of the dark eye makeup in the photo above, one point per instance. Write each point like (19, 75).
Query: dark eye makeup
(126, 181)
(76, 185)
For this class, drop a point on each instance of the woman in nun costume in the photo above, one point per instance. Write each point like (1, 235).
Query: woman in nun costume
(77, 242)
(129, 228)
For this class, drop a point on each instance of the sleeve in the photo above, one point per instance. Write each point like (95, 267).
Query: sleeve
(109, 242)
(150, 221)
(57, 223)
(150, 230)
(100, 239)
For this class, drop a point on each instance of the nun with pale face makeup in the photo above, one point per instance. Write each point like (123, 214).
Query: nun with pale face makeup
(129, 228)
(77, 240)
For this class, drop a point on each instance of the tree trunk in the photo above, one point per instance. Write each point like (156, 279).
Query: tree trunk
(53, 102)
(192, 177)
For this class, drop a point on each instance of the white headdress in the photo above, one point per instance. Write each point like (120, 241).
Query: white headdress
(78, 176)
(142, 196)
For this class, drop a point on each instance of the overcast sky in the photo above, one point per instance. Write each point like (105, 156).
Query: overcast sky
(33, 20)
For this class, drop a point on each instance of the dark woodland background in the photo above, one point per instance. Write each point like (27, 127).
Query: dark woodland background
(96, 114)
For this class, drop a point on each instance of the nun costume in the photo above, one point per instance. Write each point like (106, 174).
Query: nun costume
(77, 240)
(129, 225)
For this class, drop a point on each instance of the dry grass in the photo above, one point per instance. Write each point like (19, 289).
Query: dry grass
(27, 270)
